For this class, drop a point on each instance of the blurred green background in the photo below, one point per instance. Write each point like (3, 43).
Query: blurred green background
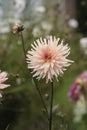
(21, 107)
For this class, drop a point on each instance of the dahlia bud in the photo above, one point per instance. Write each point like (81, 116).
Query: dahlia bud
(17, 28)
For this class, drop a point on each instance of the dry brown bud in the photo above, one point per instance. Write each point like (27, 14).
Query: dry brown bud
(17, 28)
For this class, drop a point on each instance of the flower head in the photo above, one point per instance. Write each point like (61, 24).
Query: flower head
(73, 23)
(79, 86)
(17, 28)
(48, 58)
(74, 91)
(83, 44)
(3, 78)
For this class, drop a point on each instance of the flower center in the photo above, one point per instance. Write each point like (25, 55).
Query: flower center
(48, 55)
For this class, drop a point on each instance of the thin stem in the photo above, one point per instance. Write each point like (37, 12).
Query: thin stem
(51, 106)
(40, 95)
(24, 50)
(38, 90)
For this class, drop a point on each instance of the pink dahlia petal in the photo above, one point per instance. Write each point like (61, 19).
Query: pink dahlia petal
(3, 78)
(2, 86)
(48, 58)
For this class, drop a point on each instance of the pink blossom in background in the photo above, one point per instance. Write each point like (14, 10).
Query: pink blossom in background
(3, 78)
(48, 58)
(83, 76)
(74, 91)
(80, 83)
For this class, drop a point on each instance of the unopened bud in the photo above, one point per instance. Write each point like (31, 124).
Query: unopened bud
(17, 28)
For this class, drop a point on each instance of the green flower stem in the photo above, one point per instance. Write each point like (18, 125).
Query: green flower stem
(40, 95)
(24, 50)
(51, 106)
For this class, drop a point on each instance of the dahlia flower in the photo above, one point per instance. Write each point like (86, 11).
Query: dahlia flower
(48, 58)
(79, 86)
(74, 91)
(3, 78)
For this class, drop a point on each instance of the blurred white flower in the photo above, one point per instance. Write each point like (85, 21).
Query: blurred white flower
(4, 29)
(13, 21)
(73, 23)
(80, 109)
(27, 24)
(40, 9)
(46, 26)
(83, 44)
(19, 7)
(36, 31)
(20, 4)
(83, 41)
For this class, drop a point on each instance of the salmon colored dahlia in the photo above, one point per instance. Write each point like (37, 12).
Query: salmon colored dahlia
(3, 78)
(48, 58)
